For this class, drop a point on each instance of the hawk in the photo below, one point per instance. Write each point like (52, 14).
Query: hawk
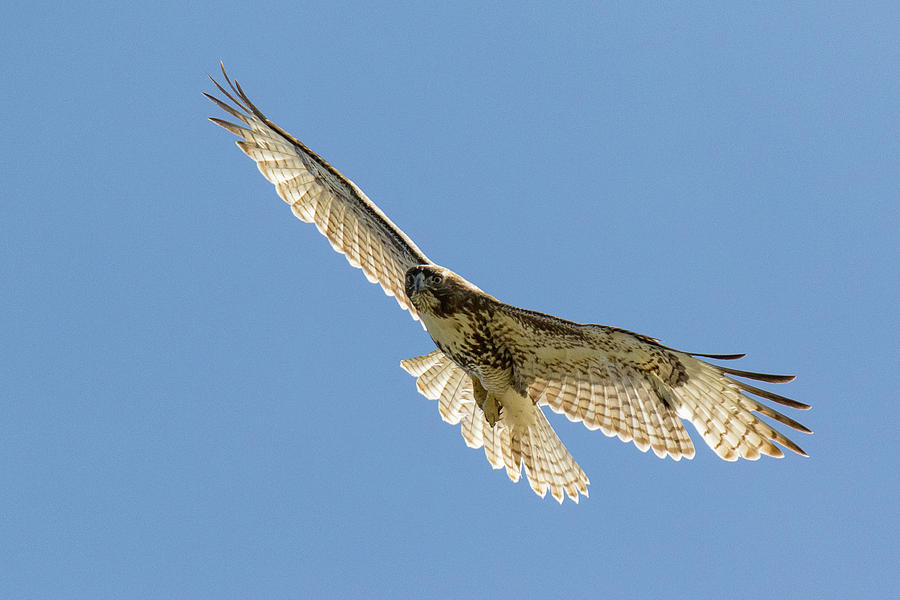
(496, 365)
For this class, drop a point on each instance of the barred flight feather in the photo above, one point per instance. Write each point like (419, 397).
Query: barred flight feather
(319, 194)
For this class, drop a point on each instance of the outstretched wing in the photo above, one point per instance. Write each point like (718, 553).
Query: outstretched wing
(630, 386)
(319, 194)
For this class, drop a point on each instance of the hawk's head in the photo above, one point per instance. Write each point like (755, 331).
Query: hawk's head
(439, 291)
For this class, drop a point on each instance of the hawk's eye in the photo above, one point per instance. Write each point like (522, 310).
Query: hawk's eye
(409, 278)
(436, 279)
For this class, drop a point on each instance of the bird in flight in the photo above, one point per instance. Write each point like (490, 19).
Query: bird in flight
(496, 365)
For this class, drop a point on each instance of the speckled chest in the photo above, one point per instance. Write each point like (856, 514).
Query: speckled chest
(475, 342)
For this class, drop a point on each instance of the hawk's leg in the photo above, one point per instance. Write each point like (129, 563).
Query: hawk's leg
(486, 402)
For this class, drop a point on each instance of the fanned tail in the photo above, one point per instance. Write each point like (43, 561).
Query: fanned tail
(522, 437)
(548, 464)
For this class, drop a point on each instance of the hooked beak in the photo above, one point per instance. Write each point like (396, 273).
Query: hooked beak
(418, 283)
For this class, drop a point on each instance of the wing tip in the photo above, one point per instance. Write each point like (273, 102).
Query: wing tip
(767, 377)
(719, 356)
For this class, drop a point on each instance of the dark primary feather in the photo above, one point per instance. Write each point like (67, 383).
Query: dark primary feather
(718, 356)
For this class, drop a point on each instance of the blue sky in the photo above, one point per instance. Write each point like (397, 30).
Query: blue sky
(201, 400)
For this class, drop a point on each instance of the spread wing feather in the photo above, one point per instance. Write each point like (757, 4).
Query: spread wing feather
(319, 194)
(630, 386)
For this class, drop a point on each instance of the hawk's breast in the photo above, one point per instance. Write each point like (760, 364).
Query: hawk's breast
(472, 341)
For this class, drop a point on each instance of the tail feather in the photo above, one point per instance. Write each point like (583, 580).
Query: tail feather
(548, 464)
(440, 379)
(522, 438)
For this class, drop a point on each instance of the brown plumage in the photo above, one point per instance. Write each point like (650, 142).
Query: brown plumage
(496, 365)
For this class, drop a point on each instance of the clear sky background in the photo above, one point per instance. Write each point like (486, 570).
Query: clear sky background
(201, 400)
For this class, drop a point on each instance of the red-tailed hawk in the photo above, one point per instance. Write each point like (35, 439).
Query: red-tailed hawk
(496, 365)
